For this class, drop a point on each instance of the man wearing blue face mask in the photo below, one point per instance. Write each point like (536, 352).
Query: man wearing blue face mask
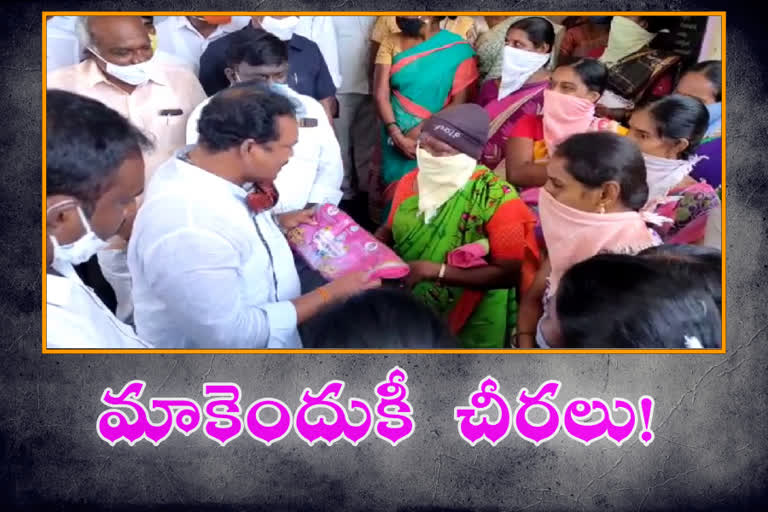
(314, 173)
(94, 172)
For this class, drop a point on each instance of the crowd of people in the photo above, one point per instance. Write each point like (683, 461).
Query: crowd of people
(550, 182)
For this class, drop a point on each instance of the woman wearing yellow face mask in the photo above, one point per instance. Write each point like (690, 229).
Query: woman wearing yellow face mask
(465, 233)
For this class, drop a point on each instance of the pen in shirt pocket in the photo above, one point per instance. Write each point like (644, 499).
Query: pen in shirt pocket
(170, 112)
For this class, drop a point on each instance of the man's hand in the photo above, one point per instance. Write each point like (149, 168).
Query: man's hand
(290, 220)
(351, 284)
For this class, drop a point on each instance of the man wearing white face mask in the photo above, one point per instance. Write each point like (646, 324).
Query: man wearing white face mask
(122, 72)
(314, 173)
(94, 171)
(308, 71)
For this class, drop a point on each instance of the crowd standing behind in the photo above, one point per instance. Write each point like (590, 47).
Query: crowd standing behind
(548, 181)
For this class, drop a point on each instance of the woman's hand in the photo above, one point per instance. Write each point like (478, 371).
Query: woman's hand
(406, 145)
(350, 284)
(290, 220)
(422, 271)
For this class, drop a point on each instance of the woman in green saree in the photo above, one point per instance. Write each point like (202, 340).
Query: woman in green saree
(467, 236)
(418, 72)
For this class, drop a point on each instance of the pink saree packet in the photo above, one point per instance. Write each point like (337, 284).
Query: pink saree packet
(338, 246)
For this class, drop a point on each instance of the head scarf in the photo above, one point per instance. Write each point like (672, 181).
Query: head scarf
(625, 38)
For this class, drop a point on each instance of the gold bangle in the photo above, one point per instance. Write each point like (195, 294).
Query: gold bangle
(324, 295)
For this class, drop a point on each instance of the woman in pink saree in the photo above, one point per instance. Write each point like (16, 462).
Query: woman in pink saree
(520, 89)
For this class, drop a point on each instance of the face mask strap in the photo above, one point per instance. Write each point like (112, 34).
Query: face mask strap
(83, 220)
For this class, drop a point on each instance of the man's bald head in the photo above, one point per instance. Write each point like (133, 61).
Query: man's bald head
(121, 40)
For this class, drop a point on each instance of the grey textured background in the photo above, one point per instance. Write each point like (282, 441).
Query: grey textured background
(710, 447)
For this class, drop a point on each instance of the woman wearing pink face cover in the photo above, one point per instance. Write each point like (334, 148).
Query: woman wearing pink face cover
(568, 109)
(589, 204)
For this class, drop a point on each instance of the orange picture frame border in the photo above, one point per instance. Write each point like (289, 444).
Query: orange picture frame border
(722, 350)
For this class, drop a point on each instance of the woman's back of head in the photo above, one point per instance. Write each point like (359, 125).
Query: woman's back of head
(383, 318)
(705, 262)
(623, 301)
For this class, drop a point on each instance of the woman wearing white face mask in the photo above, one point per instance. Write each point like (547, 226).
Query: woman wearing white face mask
(520, 90)
(668, 133)
(641, 62)
(94, 173)
(467, 236)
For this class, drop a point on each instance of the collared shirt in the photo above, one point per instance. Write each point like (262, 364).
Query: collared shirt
(177, 36)
(62, 46)
(207, 273)
(320, 30)
(353, 34)
(314, 172)
(307, 74)
(169, 88)
(76, 318)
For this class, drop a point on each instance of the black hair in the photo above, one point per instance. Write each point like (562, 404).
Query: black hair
(593, 73)
(598, 157)
(706, 260)
(539, 30)
(713, 70)
(86, 143)
(381, 318)
(256, 48)
(680, 117)
(245, 111)
(624, 301)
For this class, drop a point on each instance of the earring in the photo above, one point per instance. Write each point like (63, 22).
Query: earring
(602, 209)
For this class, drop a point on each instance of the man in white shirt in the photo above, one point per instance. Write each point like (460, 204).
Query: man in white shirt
(94, 172)
(187, 37)
(313, 174)
(210, 265)
(320, 30)
(357, 120)
(122, 71)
